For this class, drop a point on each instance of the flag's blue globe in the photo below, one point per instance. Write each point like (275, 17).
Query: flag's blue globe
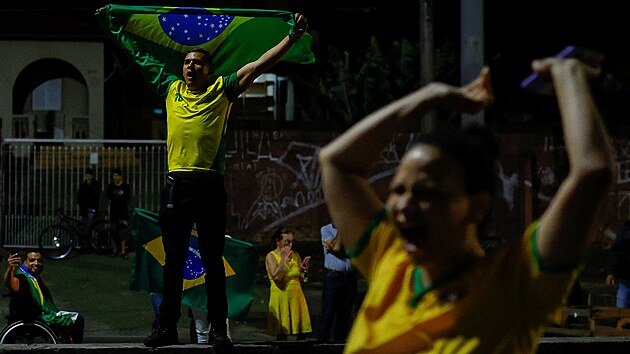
(193, 29)
(193, 268)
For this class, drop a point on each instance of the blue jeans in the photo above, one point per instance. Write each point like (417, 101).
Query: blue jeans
(156, 300)
(88, 218)
(623, 294)
(339, 293)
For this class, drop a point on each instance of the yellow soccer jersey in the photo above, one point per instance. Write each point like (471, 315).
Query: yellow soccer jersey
(197, 123)
(501, 304)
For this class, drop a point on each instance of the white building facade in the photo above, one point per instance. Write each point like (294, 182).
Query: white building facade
(51, 89)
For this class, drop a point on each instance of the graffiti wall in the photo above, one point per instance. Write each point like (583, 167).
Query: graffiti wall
(273, 179)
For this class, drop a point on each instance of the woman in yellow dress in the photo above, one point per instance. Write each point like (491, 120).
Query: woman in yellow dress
(288, 310)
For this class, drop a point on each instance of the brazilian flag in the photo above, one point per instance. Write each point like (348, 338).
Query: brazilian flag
(239, 258)
(234, 37)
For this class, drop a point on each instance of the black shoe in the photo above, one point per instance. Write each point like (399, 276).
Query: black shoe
(220, 342)
(162, 337)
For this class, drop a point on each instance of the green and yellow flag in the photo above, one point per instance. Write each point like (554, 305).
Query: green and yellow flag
(240, 259)
(234, 37)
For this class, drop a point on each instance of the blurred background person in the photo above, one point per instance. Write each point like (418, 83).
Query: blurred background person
(618, 265)
(119, 193)
(339, 290)
(88, 198)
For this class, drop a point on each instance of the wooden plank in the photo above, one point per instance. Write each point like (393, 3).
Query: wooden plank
(609, 312)
(594, 316)
(567, 332)
(606, 331)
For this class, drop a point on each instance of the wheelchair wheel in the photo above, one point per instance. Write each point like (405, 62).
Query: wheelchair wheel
(56, 241)
(28, 332)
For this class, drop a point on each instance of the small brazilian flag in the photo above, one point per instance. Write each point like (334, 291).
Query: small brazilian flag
(234, 37)
(239, 258)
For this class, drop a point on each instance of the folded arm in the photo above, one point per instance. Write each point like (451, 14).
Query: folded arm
(569, 224)
(345, 162)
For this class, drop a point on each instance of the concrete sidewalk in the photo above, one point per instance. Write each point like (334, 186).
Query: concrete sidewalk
(127, 348)
(609, 345)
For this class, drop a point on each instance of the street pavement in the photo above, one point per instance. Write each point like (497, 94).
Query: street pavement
(97, 286)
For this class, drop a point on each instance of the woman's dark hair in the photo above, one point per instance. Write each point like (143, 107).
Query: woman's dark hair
(277, 235)
(475, 148)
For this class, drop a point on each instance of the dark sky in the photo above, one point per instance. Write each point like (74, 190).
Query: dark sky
(525, 30)
(515, 31)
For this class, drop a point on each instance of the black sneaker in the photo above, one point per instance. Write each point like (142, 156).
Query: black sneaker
(162, 337)
(220, 342)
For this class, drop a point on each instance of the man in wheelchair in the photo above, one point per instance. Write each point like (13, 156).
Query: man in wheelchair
(31, 300)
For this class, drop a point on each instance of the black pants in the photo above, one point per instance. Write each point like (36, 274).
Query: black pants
(76, 330)
(72, 334)
(339, 293)
(184, 203)
(119, 230)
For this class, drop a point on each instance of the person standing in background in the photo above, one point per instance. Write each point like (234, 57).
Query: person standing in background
(288, 310)
(88, 198)
(339, 290)
(618, 266)
(119, 193)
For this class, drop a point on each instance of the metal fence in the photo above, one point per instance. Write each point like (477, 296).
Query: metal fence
(40, 176)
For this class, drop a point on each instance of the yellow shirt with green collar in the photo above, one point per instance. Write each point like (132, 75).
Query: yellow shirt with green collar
(501, 304)
(197, 123)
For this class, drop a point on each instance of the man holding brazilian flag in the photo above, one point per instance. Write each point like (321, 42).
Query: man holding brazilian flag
(222, 51)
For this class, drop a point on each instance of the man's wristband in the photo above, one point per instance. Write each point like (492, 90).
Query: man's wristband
(293, 31)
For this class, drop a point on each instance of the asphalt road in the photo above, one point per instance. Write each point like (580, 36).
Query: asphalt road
(97, 286)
